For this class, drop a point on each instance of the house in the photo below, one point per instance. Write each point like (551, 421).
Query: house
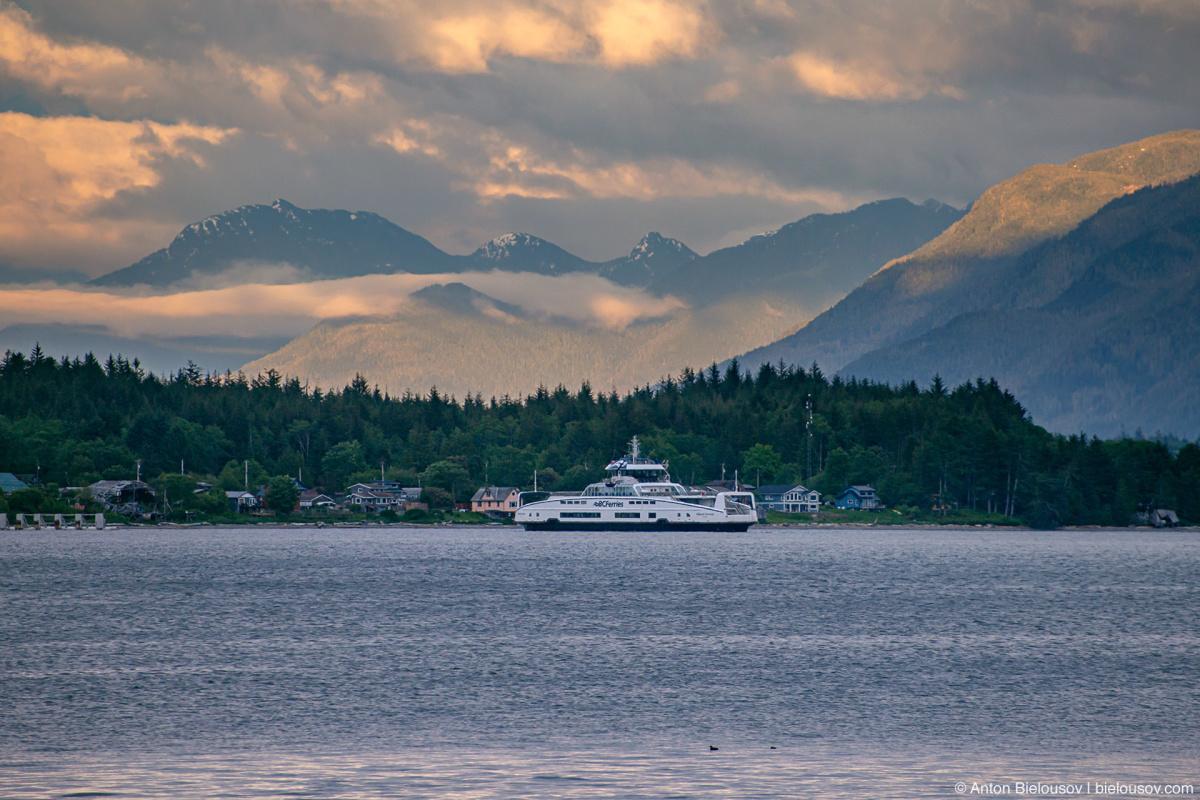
(788, 497)
(241, 502)
(411, 495)
(363, 497)
(10, 483)
(124, 497)
(495, 501)
(770, 496)
(312, 499)
(858, 497)
(1158, 517)
(1165, 518)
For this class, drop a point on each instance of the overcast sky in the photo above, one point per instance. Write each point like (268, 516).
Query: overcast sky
(584, 122)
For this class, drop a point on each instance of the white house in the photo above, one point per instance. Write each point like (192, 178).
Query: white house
(801, 500)
(786, 497)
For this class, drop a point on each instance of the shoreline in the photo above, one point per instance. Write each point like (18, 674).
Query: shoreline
(979, 528)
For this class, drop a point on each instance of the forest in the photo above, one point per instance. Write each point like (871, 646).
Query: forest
(69, 422)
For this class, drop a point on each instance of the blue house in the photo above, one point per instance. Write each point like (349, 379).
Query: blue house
(858, 497)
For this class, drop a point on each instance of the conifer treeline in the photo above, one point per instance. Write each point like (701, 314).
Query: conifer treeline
(73, 421)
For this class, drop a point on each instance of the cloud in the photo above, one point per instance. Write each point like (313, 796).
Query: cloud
(86, 70)
(641, 32)
(464, 37)
(257, 310)
(466, 43)
(585, 122)
(826, 77)
(495, 166)
(56, 171)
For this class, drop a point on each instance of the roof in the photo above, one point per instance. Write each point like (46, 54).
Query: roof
(11, 483)
(861, 491)
(492, 493)
(777, 488)
(100, 488)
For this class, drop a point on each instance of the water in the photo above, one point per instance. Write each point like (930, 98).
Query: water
(490, 662)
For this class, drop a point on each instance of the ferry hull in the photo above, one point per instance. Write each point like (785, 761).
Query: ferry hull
(659, 526)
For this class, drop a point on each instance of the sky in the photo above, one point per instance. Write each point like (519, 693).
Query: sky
(585, 123)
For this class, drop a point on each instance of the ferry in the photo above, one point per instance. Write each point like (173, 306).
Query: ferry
(637, 495)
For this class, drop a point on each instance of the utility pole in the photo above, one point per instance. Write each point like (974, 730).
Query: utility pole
(247, 465)
(808, 430)
(139, 470)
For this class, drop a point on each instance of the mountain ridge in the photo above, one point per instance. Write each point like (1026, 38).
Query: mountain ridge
(1105, 337)
(323, 244)
(918, 292)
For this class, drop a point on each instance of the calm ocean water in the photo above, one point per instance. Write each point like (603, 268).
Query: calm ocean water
(494, 663)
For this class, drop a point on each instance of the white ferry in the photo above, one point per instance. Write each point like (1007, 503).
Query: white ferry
(638, 495)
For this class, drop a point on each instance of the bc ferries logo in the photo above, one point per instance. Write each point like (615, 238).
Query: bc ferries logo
(608, 504)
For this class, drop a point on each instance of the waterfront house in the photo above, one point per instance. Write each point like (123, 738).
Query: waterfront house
(495, 501)
(365, 497)
(770, 496)
(241, 502)
(312, 499)
(124, 497)
(1158, 517)
(788, 497)
(858, 497)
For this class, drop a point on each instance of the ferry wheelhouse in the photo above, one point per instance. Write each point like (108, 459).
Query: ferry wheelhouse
(638, 494)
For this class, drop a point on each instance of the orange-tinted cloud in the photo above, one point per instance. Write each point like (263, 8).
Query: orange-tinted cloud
(258, 309)
(85, 70)
(55, 171)
(462, 37)
(855, 80)
(495, 166)
(642, 32)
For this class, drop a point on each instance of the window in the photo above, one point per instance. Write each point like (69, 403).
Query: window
(628, 515)
(579, 514)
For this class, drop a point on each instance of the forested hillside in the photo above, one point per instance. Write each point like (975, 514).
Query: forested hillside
(74, 421)
(1095, 331)
(929, 287)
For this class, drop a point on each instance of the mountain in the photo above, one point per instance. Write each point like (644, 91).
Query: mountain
(520, 252)
(825, 255)
(318, 243)
(465, 348)
(653, 256)
(739, 297)
(460, 299)
(1097, 331)
(957, 272)
(281, 243)
(822, 255)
